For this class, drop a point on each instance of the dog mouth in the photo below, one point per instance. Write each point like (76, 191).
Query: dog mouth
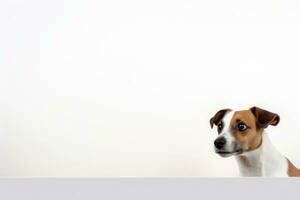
(229, 153)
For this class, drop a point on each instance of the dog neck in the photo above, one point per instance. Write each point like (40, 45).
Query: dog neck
(263, 161)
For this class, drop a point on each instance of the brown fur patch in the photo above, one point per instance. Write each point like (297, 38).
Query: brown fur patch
(218, 117)
(252, 137)
(264, 118)
(292, 170)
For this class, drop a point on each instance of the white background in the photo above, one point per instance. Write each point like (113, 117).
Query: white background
(126, 88)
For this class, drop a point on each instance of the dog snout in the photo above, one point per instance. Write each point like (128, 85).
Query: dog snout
(220, 142)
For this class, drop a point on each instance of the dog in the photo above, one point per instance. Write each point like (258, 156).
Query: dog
(242, 134)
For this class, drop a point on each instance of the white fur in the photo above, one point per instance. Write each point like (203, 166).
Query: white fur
(264, 161)
(226, 131)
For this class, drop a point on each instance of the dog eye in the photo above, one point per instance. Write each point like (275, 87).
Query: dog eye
(220, 126)
(242, 127)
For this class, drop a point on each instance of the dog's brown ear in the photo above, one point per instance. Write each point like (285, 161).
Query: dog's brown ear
(265, 118)
(218, 117)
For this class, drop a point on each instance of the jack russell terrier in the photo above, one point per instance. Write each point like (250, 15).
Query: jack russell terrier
(242, 133)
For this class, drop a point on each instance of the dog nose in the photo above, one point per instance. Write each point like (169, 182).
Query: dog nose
(220, 142)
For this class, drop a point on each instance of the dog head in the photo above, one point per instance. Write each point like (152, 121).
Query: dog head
(241, 131)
